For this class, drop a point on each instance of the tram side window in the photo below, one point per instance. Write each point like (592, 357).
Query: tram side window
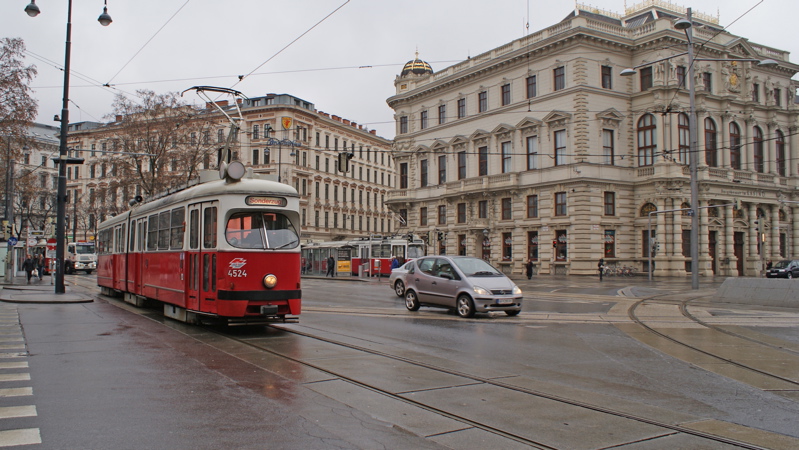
(132, 240)
(177, 230)
(209, 227)
(194, 229)
(152, 232)
(163, 230)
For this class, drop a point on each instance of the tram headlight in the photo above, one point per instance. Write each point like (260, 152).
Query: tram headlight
(270, 281)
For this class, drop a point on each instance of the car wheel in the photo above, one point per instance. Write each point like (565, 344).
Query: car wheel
(399, 288)
(790, 275)
(514, 312)
(411, 300)
(88, 272)
(465, 306)
(69, 269)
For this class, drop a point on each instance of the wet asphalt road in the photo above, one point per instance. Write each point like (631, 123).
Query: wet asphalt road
(104, 377)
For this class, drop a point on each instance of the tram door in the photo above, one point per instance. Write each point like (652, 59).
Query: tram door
(201, 257)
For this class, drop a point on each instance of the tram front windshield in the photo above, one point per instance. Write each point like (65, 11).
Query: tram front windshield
(261, 230)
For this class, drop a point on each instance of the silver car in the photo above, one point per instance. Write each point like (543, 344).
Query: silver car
(464, 283)
(397, 278)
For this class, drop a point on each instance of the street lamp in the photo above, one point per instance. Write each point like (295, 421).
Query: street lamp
(686, 25)
(32, 10)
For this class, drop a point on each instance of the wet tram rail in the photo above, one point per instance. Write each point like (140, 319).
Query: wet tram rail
(435, 397)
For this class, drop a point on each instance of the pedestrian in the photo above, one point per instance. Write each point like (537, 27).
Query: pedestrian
(40, 265)
(303, 265)
(768, 265)
(530, 269)
(331, 263)
(28, 265)
(394, 263)
(601, 266)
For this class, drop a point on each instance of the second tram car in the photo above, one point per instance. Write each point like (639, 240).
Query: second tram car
(225, 249)
(368, 256)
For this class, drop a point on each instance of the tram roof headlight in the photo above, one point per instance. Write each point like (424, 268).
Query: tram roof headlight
(270, 281)
(236, 170)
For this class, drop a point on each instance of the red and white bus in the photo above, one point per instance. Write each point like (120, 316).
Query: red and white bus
(226, 249)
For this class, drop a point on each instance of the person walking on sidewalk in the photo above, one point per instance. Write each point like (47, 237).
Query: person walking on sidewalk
(28, 265)
(331, 266)
(601, 267)
(529, 268)
(40, 265)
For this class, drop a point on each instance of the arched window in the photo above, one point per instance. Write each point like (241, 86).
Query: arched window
(685, 138)
(757, 144)
(646, 140)
(648, 208)
(735, 146)
(780, 147)
(710, 143)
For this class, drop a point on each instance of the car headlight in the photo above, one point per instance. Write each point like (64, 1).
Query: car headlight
(480, 291)
(517, 290)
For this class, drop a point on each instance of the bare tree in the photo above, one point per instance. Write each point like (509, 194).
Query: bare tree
(161, 141)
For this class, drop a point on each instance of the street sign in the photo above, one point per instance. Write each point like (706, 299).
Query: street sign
(32, 242)
(12, 241)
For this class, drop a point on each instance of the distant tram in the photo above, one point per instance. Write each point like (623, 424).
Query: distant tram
(368, 256)
(226, 249)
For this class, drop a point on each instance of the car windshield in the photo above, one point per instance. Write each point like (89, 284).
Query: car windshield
(86, 249)
(473, 267)
(782, 264)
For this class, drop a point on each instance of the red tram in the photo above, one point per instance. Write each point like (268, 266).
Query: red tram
(226, 249)
(373, 253)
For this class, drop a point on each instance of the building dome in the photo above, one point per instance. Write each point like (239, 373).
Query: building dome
(416, 67)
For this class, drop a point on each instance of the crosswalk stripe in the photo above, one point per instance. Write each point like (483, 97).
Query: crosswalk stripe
(12, 355)
(16, 392)
(14, 365)
(12, 339)
(25, 436)
(15, 377)
(11, 347)
(8, 412)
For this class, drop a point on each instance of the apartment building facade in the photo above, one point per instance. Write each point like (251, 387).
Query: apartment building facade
(540, 150)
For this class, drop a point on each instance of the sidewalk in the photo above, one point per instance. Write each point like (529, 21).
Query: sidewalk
(39, 291)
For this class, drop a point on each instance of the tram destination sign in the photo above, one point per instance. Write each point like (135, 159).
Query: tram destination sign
(265, 201)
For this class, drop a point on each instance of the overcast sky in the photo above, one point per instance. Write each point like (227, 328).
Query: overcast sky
(345, 65)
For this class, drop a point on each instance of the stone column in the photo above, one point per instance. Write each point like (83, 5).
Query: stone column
(774, 239)
(677, 241)
(792, 152)
(700, 141)
(747, 149)
(729, 240)
(704, 242)
(795, 232)
(723, 139)
(753, 260)
(769, 151)
(660, 236)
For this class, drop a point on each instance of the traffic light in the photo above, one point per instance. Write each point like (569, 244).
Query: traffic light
(410, 237)
(440, 236)
(344, 161)
(554, 243)
(6, 229)
(736, 204)
(757, 227)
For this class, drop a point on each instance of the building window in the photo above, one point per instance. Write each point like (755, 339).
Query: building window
(532, 88)
(442, 169)
(532, 245)
(442, 114)
(482, 101)
(681, 71)
(532, 152)
(756, 92)
(780, 148)
(610, 203)
(255, 154)
(735, 146)
(684, 133)
(403, 176)
(559, 75)
(422, 216)
(757, 142)
(403, 126)
(505, 149)
(423, 119)
(506, 94)
(646, 78)
(255, 131)
(777, 96)
(220, 136)
(461, 108)
(462, 244)
(461, 212)
(560, 204)
(610, 243)
(442, 214)
(608, 153)
(482, 161)
(507, 246)
(707, 81)
(423, 173)
(532, 206)
(607, 77)
(646, 140)
(560, 147)
(507, 212)
(461, 165)
(561, 245)
(482, 209)
(710, 143)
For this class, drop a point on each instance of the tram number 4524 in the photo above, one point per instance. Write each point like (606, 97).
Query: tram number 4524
(236, 273)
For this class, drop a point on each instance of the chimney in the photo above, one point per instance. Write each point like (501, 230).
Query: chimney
(360, 127)
(119, 117)
(337, 118)
(346, 122)
(373, 132)
(222, 103)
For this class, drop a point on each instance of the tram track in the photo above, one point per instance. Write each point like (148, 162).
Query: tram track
(682, 305)
(668, 429)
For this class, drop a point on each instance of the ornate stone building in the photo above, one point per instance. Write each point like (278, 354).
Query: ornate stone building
(540, 149)
(280, 135)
